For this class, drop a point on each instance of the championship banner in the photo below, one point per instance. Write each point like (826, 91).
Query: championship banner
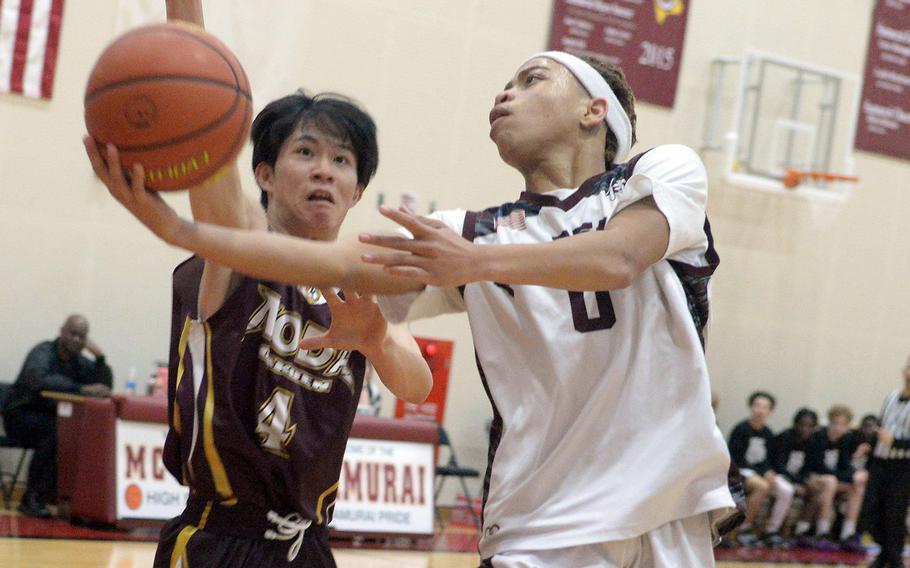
(884, 115)
(386, 486)
(644, 38)
(145, 489)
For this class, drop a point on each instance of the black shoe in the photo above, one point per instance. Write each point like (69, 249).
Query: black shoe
(774, 540)
(747, 539)
(32, 507)
(880, 562)
(853, 543)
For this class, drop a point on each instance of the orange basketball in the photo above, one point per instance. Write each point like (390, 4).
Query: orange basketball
(133, 496)
(173, 98)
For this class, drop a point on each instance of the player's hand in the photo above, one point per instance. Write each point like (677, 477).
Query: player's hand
(357, 325)
(96, 389)
(770, 476)
(145, 205)
(862, 450)
(885, 436)
(436, 256)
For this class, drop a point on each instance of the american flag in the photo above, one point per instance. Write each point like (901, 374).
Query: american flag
(29, 37)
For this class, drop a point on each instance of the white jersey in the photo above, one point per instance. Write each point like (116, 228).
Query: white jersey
(603, 428)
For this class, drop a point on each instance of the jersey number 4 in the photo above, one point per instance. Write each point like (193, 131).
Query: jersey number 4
(606, 316)
(274, 422)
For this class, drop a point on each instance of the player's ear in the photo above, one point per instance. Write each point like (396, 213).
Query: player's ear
(358, 193)
(264, 176)
(595, 113)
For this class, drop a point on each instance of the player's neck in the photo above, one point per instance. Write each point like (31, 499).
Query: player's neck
(298, 229)
(561, 168)
(756, 424)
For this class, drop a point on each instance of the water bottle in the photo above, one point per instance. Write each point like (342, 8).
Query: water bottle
(131, 381)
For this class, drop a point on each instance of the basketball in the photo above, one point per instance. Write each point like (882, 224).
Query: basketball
(172, 98)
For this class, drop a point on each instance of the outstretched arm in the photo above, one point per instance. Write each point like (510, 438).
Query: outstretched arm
(185, 10)
(358, 324)
(610, 259)
(219, 200)
(260, 254)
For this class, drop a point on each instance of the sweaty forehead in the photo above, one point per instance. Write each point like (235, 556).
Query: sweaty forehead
(550, 66)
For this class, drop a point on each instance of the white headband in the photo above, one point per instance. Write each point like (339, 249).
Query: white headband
(597, 87)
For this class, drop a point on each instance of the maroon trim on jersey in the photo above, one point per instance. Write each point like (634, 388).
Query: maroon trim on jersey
(710, 255)
(496, 429)
(468, 230)
(624, 171)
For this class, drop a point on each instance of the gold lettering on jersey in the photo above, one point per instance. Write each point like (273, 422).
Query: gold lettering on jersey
(313, 296)
(282, 331)
(292, 372)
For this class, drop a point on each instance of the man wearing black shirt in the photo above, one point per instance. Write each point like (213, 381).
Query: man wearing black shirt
(751, 444)
(790, 461)
(30, 419)
(829, 453)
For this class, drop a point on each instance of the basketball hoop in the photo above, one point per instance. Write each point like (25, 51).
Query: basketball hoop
(795, 178)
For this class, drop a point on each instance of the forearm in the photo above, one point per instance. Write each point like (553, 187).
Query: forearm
(608, 258)
(576, 263)
(288, 259)
(54, 382)
(400, 365)
(185, 10)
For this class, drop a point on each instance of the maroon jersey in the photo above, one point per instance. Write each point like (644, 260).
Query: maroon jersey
(254, 419)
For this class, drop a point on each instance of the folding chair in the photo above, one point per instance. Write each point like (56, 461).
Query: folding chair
(451, 468)
(8, 480)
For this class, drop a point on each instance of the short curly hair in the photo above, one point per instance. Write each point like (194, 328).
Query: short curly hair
(616, 79)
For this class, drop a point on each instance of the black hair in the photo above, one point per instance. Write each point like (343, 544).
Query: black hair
(804, 412)
(759, 394)
(870, 417)
(331, 113)
(616, 79)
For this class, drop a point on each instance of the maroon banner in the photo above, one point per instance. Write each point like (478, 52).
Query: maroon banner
(884, 116)
(644, 37)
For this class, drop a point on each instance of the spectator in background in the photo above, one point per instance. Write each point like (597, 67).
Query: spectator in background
(30, 419)
(829, 453)
(790, 461)
(751, 444)
(885, 506)
(866, 436)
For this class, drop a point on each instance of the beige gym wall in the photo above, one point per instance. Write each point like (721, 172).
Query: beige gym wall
(815, 313)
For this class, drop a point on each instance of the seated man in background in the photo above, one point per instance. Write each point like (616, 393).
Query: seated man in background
(30, 419)
(790, 462)
(751, 443)
(829, 453)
